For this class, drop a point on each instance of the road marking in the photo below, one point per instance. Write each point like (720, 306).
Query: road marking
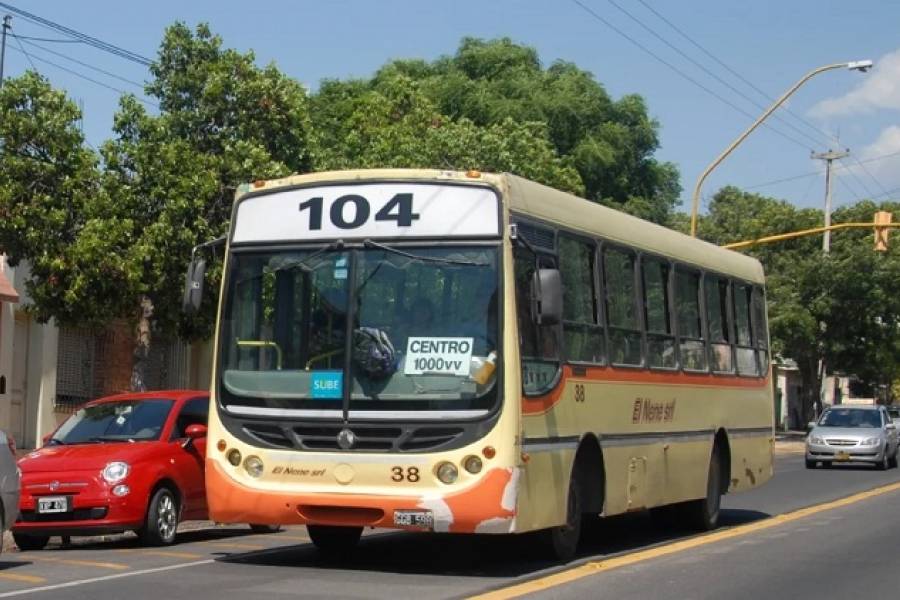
(25, 578)
(231, 545)
(79, 563)
(598, 566)
(196, 563)
(171, 553)
(78, 582)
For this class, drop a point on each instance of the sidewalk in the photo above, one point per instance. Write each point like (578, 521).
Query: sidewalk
(789, 442)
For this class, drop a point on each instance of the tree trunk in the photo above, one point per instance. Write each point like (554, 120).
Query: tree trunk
(141, 346)
(811, 401)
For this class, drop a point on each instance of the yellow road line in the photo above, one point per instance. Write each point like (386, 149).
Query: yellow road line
(238, 546)
(22, 578)
(172, 554)
(79, 563)
(597, 566)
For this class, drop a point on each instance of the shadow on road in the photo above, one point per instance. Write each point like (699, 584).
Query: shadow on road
(130, 540)
(483, 555)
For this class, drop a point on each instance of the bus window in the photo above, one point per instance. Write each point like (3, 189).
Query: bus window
(760, 330)
(660, 339)
(539, 346)
(716, 291)
(691, 344)
(582, 335)
(746, 354)
(621, 307)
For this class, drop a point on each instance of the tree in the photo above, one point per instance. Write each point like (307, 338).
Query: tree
(499, 86)
(843, 307)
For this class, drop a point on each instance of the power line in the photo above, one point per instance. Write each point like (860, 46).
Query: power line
(703, 68)
(53, 40)
(680, 73)
(84, 64)
(28, 56)
(731, 70)
(811, 173)
(92, 80)
(92, 41)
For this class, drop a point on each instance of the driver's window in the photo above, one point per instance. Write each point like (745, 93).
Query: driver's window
(193, 412)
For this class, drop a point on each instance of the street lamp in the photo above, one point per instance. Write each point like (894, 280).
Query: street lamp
(856, 65)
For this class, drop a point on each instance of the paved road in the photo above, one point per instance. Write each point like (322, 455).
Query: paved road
(800, 555)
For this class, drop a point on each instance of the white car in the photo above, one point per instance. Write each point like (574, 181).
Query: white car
(853, 433)
(9, 484)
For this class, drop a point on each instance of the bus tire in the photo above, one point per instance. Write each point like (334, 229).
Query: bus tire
(562, 542)
(334, 540)
(703, 514)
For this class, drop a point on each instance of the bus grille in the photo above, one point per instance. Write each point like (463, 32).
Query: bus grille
(367, 437)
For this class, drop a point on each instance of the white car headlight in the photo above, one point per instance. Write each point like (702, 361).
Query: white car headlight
(872, 441)
(115, 472)
(814, 439)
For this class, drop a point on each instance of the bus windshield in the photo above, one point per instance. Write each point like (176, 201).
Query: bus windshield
(378, 328)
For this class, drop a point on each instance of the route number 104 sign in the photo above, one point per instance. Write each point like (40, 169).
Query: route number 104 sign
(372, 210)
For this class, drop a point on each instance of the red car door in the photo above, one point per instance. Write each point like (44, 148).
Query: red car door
(189, 457)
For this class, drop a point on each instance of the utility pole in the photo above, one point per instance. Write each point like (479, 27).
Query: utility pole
(6, 27)
(828, 157)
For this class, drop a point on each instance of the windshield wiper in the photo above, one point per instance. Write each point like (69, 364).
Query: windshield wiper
(56, 442)
(447, 261)
(303, 263)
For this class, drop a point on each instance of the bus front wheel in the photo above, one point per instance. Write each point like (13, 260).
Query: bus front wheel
(562, 541)
(334, 539)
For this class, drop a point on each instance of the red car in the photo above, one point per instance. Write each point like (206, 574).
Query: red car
(128, 462)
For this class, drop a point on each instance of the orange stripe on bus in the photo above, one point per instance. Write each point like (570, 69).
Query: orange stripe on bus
(540, 404)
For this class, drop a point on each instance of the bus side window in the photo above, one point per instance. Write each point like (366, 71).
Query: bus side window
(691, 343)
(582, 333)
(622, 314)
(539, 346)
(660, 338)
(717, 314)
(746, 354)
(760, 330)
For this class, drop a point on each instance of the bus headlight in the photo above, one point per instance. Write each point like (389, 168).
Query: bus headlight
(254, 466)
(234, 457)
(447, 473)
(473, 464)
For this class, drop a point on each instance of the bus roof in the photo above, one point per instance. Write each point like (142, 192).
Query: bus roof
(552, 206)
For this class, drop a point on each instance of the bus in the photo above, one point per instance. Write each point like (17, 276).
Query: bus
(476, 353)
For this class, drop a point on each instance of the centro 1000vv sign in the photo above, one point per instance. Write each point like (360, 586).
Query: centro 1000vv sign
(374, 210)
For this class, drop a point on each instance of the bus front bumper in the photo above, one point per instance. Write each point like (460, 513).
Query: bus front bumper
(487, 506)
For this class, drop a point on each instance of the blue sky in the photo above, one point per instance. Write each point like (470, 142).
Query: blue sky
(770, 44)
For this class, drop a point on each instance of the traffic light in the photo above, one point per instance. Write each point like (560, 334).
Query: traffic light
(882, 217)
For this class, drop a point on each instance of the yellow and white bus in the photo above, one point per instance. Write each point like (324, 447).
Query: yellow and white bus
(471, 352)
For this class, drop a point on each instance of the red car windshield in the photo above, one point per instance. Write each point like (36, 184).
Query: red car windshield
(124, 421)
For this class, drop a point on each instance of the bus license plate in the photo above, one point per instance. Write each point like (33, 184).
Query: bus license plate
(53, 504)
(422, 519)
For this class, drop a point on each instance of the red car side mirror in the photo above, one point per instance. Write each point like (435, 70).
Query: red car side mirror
(46, 439)
(196, 431)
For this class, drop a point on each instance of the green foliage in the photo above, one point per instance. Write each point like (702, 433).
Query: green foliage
(489, 102)
(843, 306)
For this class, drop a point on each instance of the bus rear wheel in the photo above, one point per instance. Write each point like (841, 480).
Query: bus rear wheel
(334, 539)
(562, 542)
(703, 514)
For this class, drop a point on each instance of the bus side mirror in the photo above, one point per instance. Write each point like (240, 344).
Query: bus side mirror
(547, 293)
(193, 286)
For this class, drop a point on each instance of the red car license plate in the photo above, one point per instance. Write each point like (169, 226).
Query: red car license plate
(53, 504)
